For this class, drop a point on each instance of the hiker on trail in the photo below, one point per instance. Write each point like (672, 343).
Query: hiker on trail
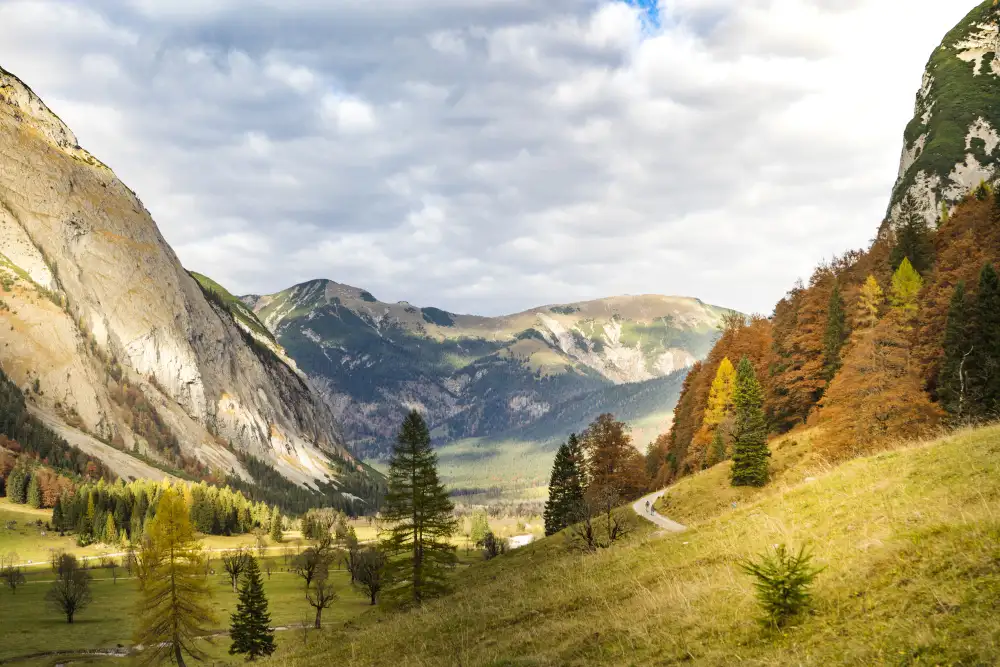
(647, 507)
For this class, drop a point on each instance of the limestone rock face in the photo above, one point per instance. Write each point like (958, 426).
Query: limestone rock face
(95, 300)
(483, 376)
(953, 142)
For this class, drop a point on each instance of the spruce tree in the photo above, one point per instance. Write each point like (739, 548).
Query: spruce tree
(276, 534)
(418, 509)
(565, 488)
(913, 242)
(17, 486)
(717, 450)
(836, 333)
(250, 627)
(750, 452)
(953, 379)
(34, 494)
(985, 371)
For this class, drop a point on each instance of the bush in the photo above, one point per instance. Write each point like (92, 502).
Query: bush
(782, 582)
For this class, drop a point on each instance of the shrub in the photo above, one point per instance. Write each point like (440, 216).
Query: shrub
(782, 580)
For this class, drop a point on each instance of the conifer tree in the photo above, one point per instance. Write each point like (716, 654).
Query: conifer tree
(17, 486)
(869, 303)
(57, 515)
(953, 379)
(173, 597)
(720, 396)
(913, 240)
(565, 488)
(906, 286)
(836, 333)
(250, 623)
(985, 371)
(110, 532)
(418, 509)
(717, 450)
(276, 534)
(750, 451)
(34, 494)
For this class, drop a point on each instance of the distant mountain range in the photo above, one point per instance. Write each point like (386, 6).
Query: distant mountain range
(530, 375)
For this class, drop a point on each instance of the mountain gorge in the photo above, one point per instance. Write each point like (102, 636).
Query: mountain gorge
(529, 375)
(122, 351)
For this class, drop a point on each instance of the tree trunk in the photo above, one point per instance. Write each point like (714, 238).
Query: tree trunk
(373, 598)
(69, 617)
(178, 656)
(319, 614)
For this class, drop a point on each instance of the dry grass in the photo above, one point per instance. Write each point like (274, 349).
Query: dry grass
(910, 540)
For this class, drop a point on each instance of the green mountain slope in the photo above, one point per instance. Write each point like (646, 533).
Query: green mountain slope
(910, 541)
(953, 141)
(525, 377)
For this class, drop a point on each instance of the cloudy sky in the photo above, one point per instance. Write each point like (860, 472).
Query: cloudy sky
(487, 156)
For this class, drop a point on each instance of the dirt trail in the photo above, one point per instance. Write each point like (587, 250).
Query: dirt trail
(663, 522)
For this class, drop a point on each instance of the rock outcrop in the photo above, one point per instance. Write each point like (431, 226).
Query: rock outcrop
(107, 333)
(953, 142)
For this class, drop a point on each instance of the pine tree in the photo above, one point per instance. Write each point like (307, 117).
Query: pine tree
(250, 627)
(953, 379)
(985, 368)
(913, 241)
(836, 333)
(720, 396)
(17, 486)
(750, 451)
(717, 451)
(173, 597)
(565, 488)
(34, 494)
(906, 286)
(420, 513)
(276, 534)
(869, 303)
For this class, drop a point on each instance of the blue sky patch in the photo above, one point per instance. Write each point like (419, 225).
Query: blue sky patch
(650, 8)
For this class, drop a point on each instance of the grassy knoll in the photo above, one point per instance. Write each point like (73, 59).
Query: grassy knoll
(910, 540)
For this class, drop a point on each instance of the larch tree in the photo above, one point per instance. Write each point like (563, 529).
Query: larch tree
(870, 303)
(250, 624)
(419, 511)
(750, 451)
(174, 595)
(836, 333)
(720, 396)
(953, 378)
(565, 487)
(906, 286)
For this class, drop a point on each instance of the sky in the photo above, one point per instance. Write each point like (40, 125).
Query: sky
(488, 156)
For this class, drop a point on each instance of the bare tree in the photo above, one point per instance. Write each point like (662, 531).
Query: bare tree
(260, 541)
(70, 592)
(109, 563)
(600, 525)
(309, 564)
(130, 561)
(267, 567)
(235, 562)
(11, 571)
(370, 572)
(321, 595)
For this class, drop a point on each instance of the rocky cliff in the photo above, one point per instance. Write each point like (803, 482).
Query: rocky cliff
(953, 142)
(109, 335)
(477, 376)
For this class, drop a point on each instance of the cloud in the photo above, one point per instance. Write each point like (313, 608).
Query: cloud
(492, 156)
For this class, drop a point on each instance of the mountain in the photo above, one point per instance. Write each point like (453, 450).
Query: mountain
(542, 370)
(953, 141)
(117, 346)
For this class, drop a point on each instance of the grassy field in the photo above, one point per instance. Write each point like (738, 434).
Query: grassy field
(910, 540)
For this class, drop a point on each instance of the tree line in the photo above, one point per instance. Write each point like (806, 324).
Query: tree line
(885, 344)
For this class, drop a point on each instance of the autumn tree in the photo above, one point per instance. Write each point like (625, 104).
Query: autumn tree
(836, 333)
(250, 629)
(953, 379)
(870, 303)
(720, 396)
(612, 462)
(906, 286)
(419, 511)
(70, 592)
(565, 487)
(750, 451)
(173, 593)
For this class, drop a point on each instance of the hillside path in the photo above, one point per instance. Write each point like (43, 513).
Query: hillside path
(663, 522)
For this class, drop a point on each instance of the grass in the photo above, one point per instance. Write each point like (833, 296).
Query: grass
(910, 540)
